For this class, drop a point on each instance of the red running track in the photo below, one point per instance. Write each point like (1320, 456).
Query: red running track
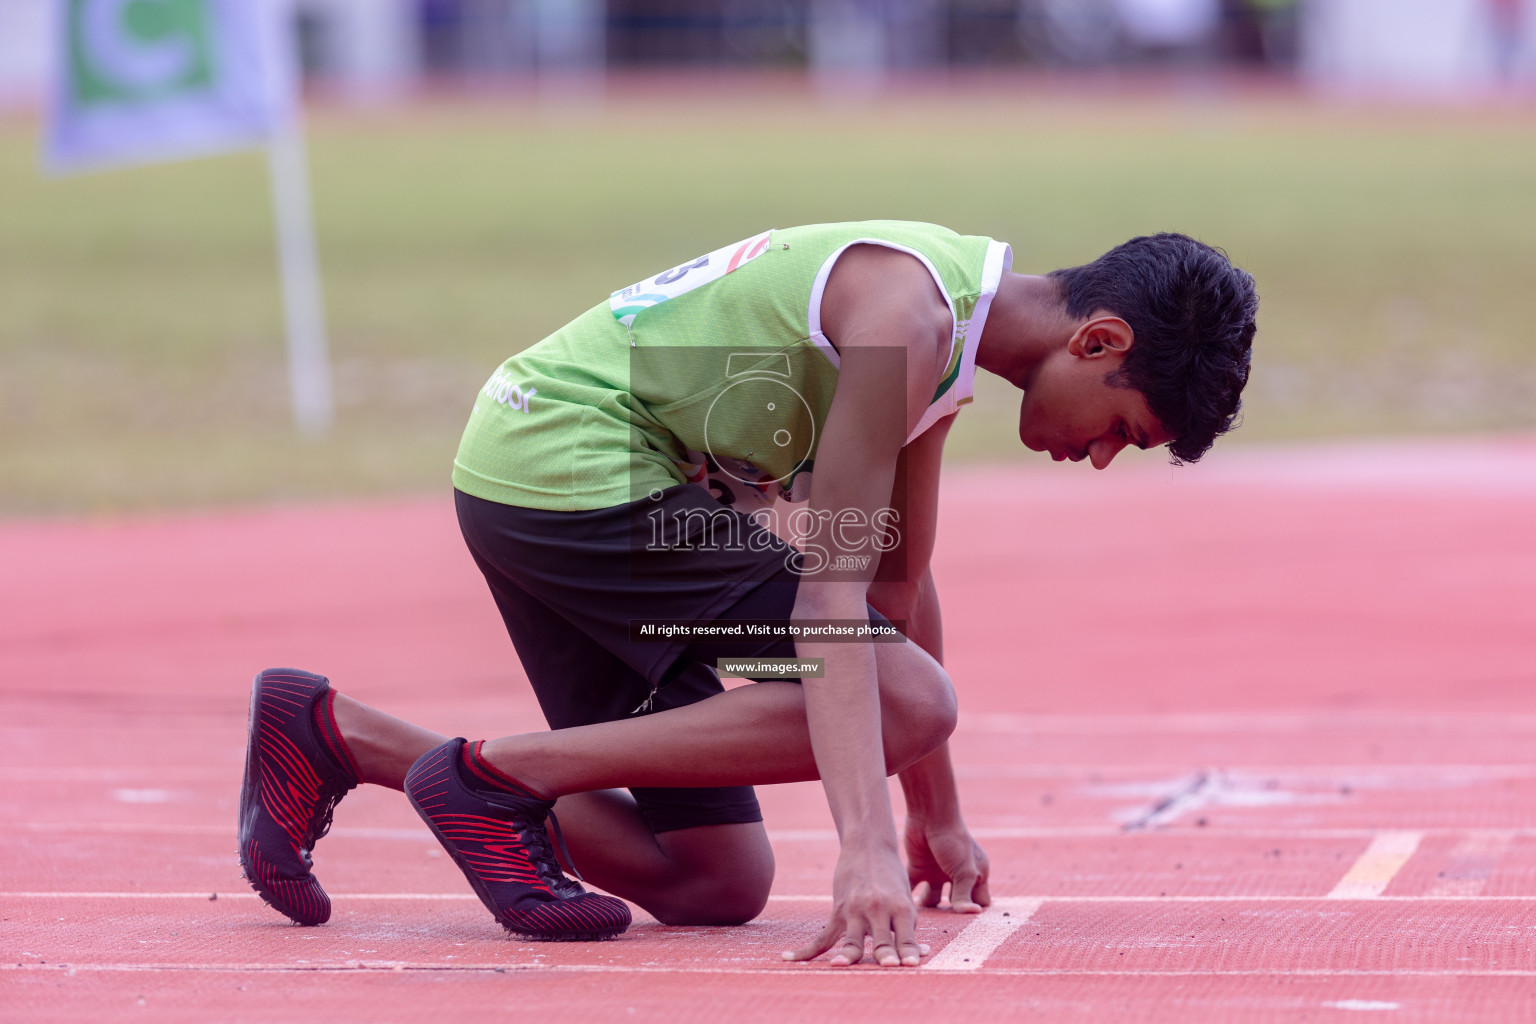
(1248, 741)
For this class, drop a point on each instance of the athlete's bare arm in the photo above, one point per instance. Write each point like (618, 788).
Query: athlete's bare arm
(939, 848)
(890, 324)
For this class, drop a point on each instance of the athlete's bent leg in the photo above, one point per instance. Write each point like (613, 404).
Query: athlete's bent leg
(707, 875)
(384, 746)
(752, 735)
(755, 734)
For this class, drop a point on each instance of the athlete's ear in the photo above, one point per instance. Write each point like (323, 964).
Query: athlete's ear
(1101, 336)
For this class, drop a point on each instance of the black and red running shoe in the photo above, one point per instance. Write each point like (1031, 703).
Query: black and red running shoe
(497, 838)
(291, 788)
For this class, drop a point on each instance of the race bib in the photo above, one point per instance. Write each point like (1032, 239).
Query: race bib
(627, 303)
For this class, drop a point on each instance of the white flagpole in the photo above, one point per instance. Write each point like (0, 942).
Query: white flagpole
(254, 100)
(309, 367)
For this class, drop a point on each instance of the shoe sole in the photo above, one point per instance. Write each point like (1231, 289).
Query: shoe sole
(490, 902)
(251, 725)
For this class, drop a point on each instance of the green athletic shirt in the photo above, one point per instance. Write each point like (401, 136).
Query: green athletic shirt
(714, 372)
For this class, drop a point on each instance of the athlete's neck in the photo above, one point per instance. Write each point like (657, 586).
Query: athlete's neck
(1026, 323)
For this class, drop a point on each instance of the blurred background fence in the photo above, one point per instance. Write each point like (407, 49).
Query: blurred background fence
(483, 170)
(394, 45)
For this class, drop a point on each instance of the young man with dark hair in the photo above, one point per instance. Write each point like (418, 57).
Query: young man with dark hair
(604, 486)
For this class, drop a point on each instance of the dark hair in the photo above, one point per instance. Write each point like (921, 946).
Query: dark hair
(1192, 312)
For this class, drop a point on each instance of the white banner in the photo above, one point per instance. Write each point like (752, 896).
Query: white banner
(142, 80)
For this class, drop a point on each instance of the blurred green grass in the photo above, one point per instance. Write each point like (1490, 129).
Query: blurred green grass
(141, 347)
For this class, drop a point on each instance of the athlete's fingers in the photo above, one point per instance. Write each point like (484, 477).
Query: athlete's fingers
(981, 893)
(883, 945)
(928, 894)
(849, 944)
(962, 892)
(820, 944)
(906, 942)
(850, 952)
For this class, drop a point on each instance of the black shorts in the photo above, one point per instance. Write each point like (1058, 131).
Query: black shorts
(568, 585)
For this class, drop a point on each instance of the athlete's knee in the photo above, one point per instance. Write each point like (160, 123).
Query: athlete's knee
(728, 897)
(719, 875)
(937, 713)
(919, 716)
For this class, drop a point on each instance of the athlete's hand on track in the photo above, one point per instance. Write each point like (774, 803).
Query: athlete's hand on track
(939, 853)
(870, 900)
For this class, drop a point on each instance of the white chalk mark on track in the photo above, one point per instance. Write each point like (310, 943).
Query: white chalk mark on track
(1369, 877)
(1471, 863)
(970, 949)
(1198, 791)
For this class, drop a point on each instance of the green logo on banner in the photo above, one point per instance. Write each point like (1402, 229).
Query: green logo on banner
(129, 51)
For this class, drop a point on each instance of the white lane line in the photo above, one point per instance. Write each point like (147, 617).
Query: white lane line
(86, 773)
(980, 939)
(173, 829)
(512, 967)
(1377, 866)
(418, 896)
(796, 835)
(1429, 771)
(1265, 722)
(211, 897)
